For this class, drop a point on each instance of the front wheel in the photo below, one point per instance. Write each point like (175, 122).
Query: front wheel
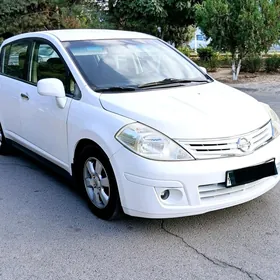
(97, 181)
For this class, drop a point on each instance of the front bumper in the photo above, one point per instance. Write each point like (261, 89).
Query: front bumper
(195, 187)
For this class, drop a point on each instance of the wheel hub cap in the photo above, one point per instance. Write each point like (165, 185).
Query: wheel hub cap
(96, 183)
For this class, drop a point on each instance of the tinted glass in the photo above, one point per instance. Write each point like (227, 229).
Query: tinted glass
(46, 51)
(15, 60)
(5, 57)
(47, 64)
(129, 62)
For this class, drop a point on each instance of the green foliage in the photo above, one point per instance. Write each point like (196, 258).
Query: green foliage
(240, 27)
(178, 35)
(206, 54)
(272, 64)
(185, 50)
(211, 64)
(224, 61)
(252, 64)
(168, 19)
(26, 15)
(221, 60)
(30, 15)
(208, 58)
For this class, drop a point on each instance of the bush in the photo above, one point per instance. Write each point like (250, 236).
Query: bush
(211, 65)
(185, 50)
(251, 64)
(225, 61)
(206, 54)
(272, 63)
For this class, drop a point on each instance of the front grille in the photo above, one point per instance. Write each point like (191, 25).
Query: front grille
(219, 192)
(228, 147)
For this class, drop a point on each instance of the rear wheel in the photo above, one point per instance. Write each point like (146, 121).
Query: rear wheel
(97, 181)
(4, 147)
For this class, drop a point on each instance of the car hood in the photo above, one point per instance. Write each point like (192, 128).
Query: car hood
(210, 110)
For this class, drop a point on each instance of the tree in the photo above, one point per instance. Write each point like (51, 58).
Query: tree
(31, 15)
(78, 13)
(27, 15)
(240, 27)
(168, 19)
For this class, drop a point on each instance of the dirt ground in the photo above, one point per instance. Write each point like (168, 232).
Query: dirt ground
(224, 75)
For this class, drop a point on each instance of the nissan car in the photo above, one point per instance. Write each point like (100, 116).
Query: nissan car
(138, 127)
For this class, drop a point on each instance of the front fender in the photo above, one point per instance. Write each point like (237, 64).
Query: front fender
(86, 121)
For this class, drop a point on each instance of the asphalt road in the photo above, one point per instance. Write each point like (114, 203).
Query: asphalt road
(47, 232)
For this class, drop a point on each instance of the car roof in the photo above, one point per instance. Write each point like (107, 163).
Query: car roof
(91, 34)
(85, 34)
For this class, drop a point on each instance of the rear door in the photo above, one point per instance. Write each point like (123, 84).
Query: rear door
(13, 80)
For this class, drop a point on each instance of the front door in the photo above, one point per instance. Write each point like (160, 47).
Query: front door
(44, 124)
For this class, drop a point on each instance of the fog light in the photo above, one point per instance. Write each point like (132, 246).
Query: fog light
(165, 194)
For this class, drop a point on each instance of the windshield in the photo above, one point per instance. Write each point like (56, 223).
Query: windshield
(130, 62)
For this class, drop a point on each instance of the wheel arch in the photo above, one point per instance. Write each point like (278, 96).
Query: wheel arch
(83, 143)
(88, 150)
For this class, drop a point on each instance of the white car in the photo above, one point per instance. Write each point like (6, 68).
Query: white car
(138, 125)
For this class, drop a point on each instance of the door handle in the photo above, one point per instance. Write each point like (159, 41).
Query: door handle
(24, 96)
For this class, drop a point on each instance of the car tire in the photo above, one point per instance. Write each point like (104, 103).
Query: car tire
(4, 146)
(95, 178)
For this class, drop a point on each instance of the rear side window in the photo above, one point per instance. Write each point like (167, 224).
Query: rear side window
(15, 60)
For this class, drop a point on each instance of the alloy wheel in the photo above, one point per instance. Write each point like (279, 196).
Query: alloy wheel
(96, 182)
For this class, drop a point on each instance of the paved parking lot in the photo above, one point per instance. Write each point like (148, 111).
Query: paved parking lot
(47, 232)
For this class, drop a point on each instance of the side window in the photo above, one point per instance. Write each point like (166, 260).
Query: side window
(15, 60)
(46, 63)
(72, 85)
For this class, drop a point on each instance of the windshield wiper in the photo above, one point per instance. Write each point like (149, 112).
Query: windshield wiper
(115, 89)
(170, 81)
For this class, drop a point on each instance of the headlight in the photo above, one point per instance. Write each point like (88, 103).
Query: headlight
(275, 121)
(151, 144)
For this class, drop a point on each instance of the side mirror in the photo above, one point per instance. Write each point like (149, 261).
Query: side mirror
(203, 69)
(53, 87)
